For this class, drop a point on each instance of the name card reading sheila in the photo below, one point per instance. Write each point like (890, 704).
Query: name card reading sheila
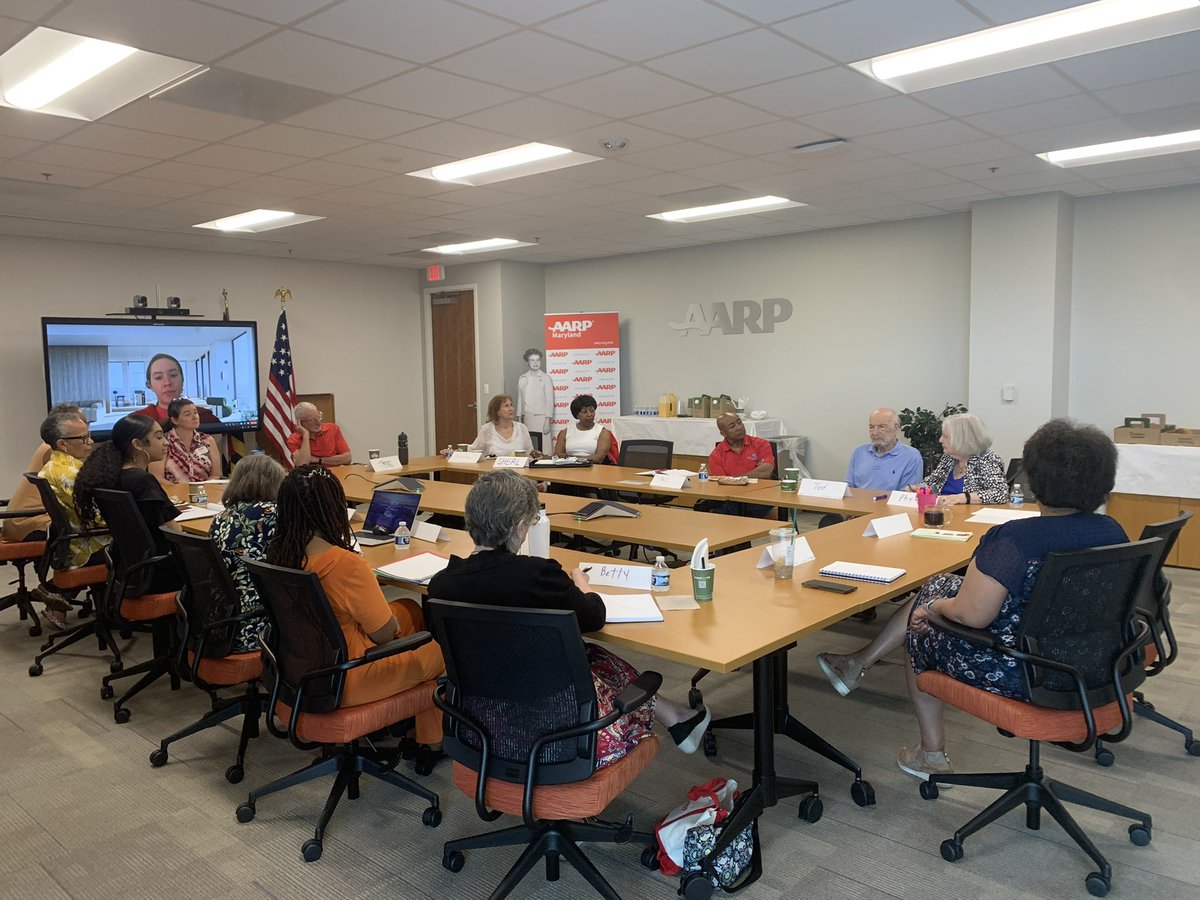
(902, 498)
(511, 462)
(637, 577)
(815, 487)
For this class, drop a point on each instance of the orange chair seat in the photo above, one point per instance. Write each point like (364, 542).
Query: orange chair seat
(148, 606)
(563, 801)
(73, 579)
(349, 723)
(11, 551)
(1151, 654)
(236, 668)
(1019, 718)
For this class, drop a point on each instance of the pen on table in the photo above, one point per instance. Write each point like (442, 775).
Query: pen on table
(880, 497)
(586, 569)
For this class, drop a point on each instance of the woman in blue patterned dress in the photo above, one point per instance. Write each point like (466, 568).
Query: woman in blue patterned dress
(1071, 469)
(244, 529)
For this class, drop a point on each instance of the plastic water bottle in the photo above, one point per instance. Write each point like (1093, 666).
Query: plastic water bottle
(660, 576)
(403, 537)
(201, 496)
(538, 540)
(1016, 498)
(703, 475)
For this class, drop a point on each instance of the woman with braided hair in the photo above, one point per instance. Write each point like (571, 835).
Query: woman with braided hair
(313, 534)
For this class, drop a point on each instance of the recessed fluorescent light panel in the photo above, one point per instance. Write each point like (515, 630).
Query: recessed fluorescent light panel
(1134, 148)
(515, 162)
(1087, 28)
(79, 77)
(257, 220)
(725, 210)
(478, 246)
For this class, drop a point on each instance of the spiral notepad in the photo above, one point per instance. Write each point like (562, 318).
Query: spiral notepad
(862, 572)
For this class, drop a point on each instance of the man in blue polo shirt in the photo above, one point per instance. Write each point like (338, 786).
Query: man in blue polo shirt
(884, 464)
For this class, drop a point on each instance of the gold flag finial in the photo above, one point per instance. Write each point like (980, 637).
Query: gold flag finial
(283, 295)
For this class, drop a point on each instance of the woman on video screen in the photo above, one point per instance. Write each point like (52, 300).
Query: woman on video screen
(164, 376)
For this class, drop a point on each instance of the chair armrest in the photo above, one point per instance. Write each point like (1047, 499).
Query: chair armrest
(979, 636)
(7, 513)
(373, 654)
(642, 689)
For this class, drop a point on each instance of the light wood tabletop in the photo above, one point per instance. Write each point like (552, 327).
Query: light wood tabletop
(857, 502)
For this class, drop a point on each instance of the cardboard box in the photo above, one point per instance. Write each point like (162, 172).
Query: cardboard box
(1181, 437)
(1148, 428)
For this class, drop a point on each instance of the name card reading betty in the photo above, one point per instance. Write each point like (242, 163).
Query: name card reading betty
(637, 577)
(814, 487)
(887, 526)
(902, 498)
(511, 462)
(464, 456)
(386, 464)
(669, 480)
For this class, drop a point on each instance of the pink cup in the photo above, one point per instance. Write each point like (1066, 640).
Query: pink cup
(924, 502)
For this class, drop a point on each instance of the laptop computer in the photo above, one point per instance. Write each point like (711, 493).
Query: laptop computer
(387, 510)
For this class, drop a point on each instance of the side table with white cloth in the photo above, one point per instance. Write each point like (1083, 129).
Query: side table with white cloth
(1155, 483)
(691, 437)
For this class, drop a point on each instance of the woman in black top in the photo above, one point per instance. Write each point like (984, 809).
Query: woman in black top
(121, 464)
(499, 510)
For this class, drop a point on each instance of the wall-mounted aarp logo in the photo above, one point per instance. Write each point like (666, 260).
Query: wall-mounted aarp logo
(738, 317)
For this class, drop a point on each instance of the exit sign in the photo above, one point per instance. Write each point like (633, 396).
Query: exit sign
(435, 273)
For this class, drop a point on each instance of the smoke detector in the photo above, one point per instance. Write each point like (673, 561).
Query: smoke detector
(614, 143)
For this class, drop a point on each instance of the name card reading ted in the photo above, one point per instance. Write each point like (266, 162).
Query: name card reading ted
(814, 487)
(511, 462)
(386, 464)
(637, 577)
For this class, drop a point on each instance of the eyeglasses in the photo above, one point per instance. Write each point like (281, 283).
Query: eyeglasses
(86, 438)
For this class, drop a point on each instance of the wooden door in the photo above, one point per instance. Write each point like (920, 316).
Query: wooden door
(455, 405)
(1187, 547)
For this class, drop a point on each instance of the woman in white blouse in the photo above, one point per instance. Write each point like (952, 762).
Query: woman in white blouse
(502, 434)
(583, 438)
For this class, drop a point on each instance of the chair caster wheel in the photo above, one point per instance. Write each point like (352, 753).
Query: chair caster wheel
(1148, 705)
(862, 793)
(235, 774)
(710, 744)
(1097, 885)
(929, 790)
(245, 813)
(106, 692)
(432, 817)
(311, 851)
(116, 666)
(121, 715)
(35, 630)
(696, 886)
(158, 758)
(453, 861)
(35, 670)
(952, 851)
(423, 767)
(811, 809)
(1139, 835)
(1105, 757)
(1192, 746)
(650, 858)
(695, 698)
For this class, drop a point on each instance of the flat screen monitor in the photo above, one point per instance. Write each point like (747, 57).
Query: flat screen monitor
(101, 366)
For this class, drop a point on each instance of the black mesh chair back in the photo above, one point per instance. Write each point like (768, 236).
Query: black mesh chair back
(209, 594)
(58, 541)
(518, 674)
(774, 453)
(1081, 613)
(1158, 597)
(304, 636)
(133, 552)
(647, 454)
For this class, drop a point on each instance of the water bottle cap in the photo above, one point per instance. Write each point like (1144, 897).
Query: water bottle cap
(660, 559)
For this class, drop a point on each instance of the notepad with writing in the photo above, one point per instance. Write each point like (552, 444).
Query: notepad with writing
(630, 608)
(418, 569)
(862, 572)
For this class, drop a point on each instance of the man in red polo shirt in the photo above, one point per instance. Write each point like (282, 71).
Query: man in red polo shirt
(315, 441)
(738, 454)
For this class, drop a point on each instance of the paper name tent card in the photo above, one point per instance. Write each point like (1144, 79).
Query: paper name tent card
(862, 572)
(599, 508)
(801, 553)
(888, 526)
(814, 487)
(386, 464)
(464, 456)
(1000, 516)
(631, 608)
(636, 577)
(417, 569)
(194, 512)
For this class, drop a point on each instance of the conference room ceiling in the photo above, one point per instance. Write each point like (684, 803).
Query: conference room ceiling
(321, 108)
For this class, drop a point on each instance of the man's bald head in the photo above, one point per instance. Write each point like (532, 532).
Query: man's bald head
(308, 417)
(883, 426)
(731, 427)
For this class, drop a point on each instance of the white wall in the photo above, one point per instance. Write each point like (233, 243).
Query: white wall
(880, 319)
(1135, 336)
(355, 330)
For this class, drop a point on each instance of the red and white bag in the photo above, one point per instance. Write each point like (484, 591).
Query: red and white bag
(707, 804)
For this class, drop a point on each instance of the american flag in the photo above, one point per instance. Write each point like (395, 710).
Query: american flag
(279, 412)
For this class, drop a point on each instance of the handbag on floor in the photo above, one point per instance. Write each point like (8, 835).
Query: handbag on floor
(687, 835)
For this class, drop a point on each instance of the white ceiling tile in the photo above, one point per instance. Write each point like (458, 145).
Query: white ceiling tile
(25, 170)
(861, 29)
(673, 158)
(1079, 134)
(235, 198)
(737, 171)
(280, 11)
(451, 138)
(954, 190)
(135, 184)
(1046, 114)
(769, 138)
(587, 140)
(984, 173)
(532, 118)
(1032, 180)
(1175, 55)
(700, 118)
(1000, 12)
(172, 27)
(435, 93)
(388, 157)
(35, 126)
(738, 62)
(768, 11)
(15, 146)
(815, 92)
(1146, 180)
(626, 92)
(315, 63)
(11, 31)
(865, 170)
(305, 142)
(51, 155)
(1177, 90)
(163, 117)
(29, 10)
(357, 119)
(877, 115)
(634, 30)
(664, 184)
(1166, 120)
(98, 136)
(437, 29)
(527, 12)
(322, 170)
(506, 62)
(101, 197)
(239, 159)
(998, 91)
(922, 137)
(186, 173)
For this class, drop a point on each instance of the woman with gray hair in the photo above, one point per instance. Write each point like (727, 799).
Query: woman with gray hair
(500, 508)
(968, 472)
(244, 529)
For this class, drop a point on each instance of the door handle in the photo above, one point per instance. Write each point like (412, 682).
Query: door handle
(472, 406)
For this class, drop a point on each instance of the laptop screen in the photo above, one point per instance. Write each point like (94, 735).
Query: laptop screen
(389, 508)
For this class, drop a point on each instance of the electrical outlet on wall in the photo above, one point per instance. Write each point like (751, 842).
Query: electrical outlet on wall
(1008, 393)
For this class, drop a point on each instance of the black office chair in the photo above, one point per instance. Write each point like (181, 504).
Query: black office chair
(1015, 474)
(642, 454)
(521, 711)
(305, 659)
(1155, 608)
(209, 622)
(129, 604)
(1078, 649)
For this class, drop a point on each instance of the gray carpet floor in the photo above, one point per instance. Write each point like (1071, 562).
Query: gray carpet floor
(82, 813)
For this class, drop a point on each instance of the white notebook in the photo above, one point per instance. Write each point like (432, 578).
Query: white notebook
(630, 608)
(418, 568)
(862, 572)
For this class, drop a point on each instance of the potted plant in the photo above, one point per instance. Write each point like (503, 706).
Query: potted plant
(923, 428)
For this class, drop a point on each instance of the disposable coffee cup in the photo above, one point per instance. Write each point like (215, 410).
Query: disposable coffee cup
(787, 485)
(793, 474)
(373, 454)
(702, 583)
(783, 551)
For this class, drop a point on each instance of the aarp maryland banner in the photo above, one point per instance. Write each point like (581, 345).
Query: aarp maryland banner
(583, 357)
